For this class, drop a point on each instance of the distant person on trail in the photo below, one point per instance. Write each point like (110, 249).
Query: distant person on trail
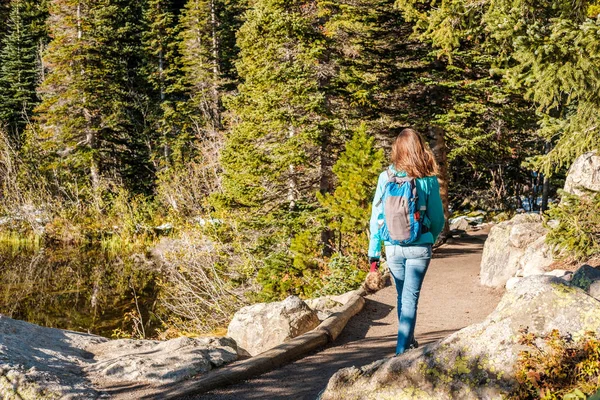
(407, 216)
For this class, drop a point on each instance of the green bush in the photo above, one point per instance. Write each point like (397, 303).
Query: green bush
(296, 271)
(560, 368)
(577, 234)
(343, 276)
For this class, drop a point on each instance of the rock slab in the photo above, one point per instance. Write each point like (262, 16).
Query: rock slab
(128, 360)
(514, 248)
(324, 306)
(584, 174)
(477, 362)
(47, 363)
(38, 362)
(262, 326)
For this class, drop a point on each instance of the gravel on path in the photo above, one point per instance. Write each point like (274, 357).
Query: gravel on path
(451, 299)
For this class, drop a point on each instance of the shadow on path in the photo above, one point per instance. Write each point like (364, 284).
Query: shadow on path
(356, 346)
(451, 299)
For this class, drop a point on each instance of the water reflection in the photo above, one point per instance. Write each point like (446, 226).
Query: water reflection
(86, 288)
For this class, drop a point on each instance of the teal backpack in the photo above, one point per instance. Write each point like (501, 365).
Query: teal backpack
(403, 218)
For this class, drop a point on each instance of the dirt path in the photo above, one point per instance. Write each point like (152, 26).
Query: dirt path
(451, 299)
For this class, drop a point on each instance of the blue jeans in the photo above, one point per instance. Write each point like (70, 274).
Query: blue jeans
(408, 265)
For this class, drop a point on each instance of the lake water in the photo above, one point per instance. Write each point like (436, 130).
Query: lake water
(84, 288)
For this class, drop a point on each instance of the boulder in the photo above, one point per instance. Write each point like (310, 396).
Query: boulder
(504, 252)
(261, 326)
(584, 174)
(522, 234)
(459, 223)
(324, 306)
(38, 362)
(536, 258)
(128, 360)
(477, 362)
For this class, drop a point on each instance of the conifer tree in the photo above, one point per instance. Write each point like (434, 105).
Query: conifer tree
(279, 111)
(272, 156)
(208, 49)
(553, 55)
(163, 72)
(20, 65)
(90, 119)
(193, 110)
(488, 127)
(547, 50)
(349, 206)
(4, 13)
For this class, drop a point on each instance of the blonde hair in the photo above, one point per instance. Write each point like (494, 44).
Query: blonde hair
(411, 155)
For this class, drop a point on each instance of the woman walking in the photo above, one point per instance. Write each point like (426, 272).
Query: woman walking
(407, 259)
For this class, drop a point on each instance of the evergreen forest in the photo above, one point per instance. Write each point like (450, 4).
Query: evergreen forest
(245, 137)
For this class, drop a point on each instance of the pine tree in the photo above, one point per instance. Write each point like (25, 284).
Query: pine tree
(208, 52)
(546, 50)
(4, 13)
(272, 156)
(163, 72)
(441, 77)
(349, 207)
(193, 109)
(552, 55)
(20, 65)
(90, 119)
(279, 111)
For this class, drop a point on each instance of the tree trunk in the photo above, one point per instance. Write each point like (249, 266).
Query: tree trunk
(214, 24)
(90, 139)
(326, 186)
(546, 184)
(292, 185)
(437, 142)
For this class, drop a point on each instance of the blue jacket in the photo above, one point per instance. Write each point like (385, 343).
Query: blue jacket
(428, 190)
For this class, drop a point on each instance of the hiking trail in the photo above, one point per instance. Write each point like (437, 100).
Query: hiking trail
(451, 298)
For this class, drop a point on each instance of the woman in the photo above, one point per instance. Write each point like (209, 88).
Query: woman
(408, 263)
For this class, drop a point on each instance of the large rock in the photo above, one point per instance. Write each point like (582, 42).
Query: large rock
(477, 362)
(324, 306)
(47, 363)
(459, 223)
(44, 363)
(504, 252)
(160, 362)
(261, 326)
(536, 258)
(584, 174)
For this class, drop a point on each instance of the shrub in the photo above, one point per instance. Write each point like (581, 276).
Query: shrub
(557, 367)
(577, 234)
(343, 276)
(294, 272)
(199, 288)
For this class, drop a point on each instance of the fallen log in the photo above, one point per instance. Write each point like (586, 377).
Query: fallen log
(269, 360)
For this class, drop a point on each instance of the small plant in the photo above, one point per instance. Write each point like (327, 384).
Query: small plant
(577, 234)
(556, 366)
(343, 276)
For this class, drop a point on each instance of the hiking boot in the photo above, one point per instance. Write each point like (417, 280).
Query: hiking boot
(413, 345)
